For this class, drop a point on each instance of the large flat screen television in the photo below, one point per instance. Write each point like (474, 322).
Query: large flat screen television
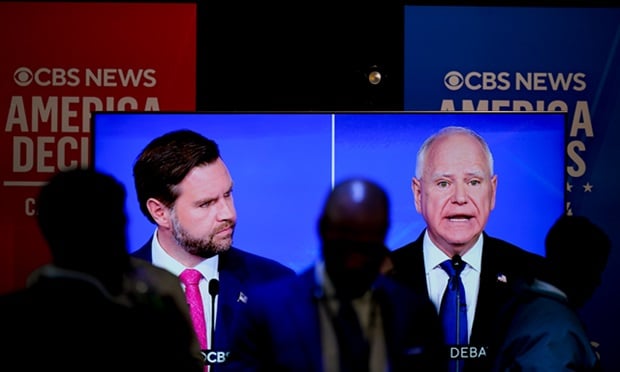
(283, 165)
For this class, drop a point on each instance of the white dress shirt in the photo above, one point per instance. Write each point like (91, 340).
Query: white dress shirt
(208, 269)
(437, 278)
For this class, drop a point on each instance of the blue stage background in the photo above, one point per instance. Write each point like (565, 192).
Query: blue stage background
(284, 164)
(535, 58)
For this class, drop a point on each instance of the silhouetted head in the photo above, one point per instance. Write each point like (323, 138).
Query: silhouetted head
(353, 227)
(81, 214)
(576, 255)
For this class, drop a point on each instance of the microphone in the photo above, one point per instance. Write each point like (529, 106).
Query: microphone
(214, 287)
(214, 290)
(457, 262)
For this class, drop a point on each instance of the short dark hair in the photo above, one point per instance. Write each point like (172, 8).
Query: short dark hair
(165, 162)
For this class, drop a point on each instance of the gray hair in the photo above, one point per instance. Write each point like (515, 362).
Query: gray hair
(422, 152)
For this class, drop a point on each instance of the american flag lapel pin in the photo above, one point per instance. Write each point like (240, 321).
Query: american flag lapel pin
(502, 278)
(242, 298)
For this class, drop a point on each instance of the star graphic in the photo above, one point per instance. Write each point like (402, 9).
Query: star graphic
(587, 187)
(569, 187)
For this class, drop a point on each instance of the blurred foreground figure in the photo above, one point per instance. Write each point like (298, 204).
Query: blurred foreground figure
(540, 329)
(341, 314)
(93, 308)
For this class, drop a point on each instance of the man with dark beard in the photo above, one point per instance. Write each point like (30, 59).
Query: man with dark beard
(185, 189)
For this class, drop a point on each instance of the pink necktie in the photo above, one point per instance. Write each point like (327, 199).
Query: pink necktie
(191, 278)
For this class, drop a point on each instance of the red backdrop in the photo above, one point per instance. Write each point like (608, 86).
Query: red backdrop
(60, 62)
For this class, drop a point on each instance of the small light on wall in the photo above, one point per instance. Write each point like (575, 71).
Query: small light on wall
(374, 77)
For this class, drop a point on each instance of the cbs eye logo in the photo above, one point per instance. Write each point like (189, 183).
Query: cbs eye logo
(453, 80)
(23, 76)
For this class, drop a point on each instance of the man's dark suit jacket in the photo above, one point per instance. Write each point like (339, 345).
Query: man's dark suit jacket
(501, 263)
(238, 271)
(279, 328)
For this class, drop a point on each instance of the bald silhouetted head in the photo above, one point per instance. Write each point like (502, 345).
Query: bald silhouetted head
(353, 227)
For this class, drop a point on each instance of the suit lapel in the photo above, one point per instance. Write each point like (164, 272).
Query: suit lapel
(419, 276)
(409, 265)
(493, 289)
(231, 295)
(228, 299)
(304, 311)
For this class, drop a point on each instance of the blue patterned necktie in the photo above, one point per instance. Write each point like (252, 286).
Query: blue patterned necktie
(453, 310)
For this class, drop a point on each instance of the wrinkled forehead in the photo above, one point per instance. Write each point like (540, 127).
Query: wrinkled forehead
(457, 149)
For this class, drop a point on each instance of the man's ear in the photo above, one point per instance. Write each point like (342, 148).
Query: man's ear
(494, 190)
(416, 190)
(159, 212)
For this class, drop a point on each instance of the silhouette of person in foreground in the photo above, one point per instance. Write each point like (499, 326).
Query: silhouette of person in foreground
(298, 324)
(540, 328)
(89, 310)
